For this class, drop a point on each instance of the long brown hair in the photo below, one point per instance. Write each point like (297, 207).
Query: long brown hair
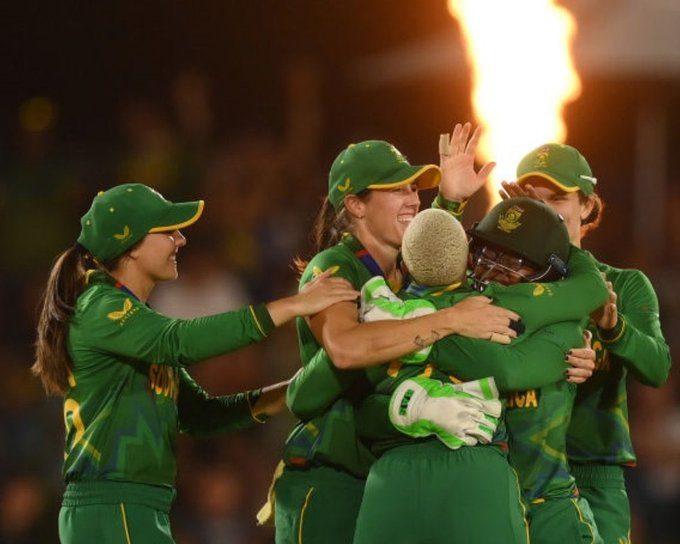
(594, 218)
(66, 281)
(328, 228)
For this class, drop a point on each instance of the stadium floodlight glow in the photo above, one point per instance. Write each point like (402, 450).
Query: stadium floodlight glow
(523, 75)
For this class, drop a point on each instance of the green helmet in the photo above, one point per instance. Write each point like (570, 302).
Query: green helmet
(529, 228)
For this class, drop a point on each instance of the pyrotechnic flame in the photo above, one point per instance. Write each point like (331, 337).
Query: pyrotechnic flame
(523, 76)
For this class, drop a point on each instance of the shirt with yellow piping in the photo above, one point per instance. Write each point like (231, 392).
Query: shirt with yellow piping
(130, 393)
(531, 372)
(599, 431)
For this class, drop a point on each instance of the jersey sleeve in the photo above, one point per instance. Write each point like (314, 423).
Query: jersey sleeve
(637, 338)
(200, 414)
(530, 362)
(317, 385)
(573, 298)
(116, 323)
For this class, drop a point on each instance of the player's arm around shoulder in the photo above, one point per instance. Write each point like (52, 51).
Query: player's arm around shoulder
(633, 332)
(115, 322)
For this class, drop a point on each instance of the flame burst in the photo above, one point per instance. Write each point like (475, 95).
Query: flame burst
(523, 76)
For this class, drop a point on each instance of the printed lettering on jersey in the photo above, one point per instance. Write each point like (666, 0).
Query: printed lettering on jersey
(125, 313)
(164, 381)
(75, 430)
(524, 399)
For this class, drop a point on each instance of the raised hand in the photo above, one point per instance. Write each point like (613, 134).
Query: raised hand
(514, 189)
(457, 162)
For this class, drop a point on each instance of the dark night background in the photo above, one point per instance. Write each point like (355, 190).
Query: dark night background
(246, 104)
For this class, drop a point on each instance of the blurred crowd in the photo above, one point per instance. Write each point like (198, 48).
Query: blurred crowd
(262, 190)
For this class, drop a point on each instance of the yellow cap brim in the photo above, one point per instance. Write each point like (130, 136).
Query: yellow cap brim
(551, 179)
(184, 223)
(427, 177)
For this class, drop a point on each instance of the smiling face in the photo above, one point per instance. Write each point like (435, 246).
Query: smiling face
(388, 213)
(570, 206)
(156, 256)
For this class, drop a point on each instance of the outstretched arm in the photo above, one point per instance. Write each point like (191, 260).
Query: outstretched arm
(203, 415)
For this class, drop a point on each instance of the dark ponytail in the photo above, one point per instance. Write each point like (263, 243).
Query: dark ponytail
(66, 281)
(328, 229)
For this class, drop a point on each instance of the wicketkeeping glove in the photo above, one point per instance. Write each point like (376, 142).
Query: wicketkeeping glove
(379, 303)
(459, 415)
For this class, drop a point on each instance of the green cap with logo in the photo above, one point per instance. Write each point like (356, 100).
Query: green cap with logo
(378, 165)
(560, 164)
(123, 215)
(527, 227)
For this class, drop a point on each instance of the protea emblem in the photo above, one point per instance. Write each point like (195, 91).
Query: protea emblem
(509, 220)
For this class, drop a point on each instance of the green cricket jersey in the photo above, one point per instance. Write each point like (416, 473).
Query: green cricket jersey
(530, 374)
(129, 392)
(599, 431)
(537, 418)
(319, 384)
(330, 437)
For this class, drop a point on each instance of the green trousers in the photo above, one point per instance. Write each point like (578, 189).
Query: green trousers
(316, 505)
(425, 493)
(569, 519)
(115, 513)
(604, 487)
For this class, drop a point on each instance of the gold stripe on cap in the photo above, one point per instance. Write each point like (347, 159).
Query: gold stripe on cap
(186, 223)
(565, 188)
(387, 186)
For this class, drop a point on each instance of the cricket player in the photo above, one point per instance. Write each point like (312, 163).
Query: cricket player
(121, 367)
(627, 340)
(536, 359)
(372, 196)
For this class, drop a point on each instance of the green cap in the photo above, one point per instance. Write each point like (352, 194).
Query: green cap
(560, 164)
(528, 228)
(123, 215)
(374, 164)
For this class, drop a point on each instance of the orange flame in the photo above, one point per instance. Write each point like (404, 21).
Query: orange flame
(523, 76)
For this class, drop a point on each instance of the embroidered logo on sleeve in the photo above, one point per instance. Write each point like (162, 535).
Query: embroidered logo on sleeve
(316, 271)
(123, 315)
